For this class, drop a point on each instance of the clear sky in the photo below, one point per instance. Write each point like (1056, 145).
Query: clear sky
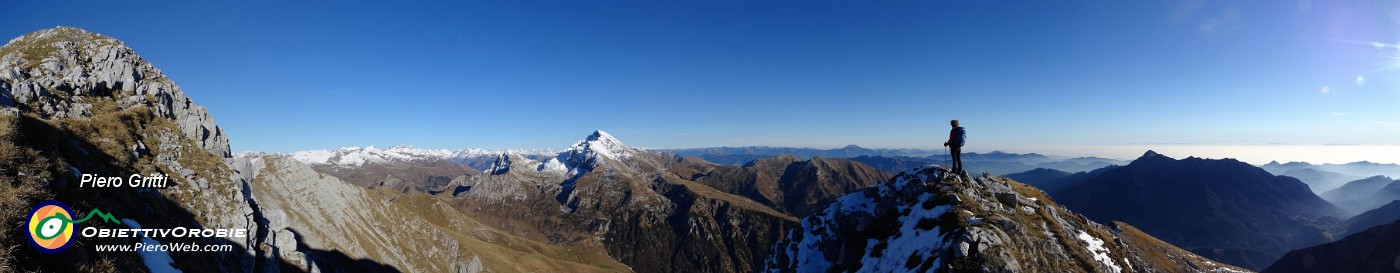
(1022, 76)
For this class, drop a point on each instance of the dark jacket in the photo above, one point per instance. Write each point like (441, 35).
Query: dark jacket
(957, 137)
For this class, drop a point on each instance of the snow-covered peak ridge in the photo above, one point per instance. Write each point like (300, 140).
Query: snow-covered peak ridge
(602, 144)
(483, 153)
(505, 160)
(356, 156)
(585, 155)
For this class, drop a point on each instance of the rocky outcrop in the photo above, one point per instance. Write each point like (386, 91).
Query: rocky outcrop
(57, 73)
(930, 220)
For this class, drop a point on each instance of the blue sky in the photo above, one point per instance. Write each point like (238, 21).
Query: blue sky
(1021, 75)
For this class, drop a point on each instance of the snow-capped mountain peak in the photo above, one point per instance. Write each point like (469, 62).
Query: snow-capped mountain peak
(584, 155)
(603, 144)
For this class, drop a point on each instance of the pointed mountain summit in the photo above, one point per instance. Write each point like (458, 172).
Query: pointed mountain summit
(600, 143)
(1150, 155)
(585, 155)
(1220, 208)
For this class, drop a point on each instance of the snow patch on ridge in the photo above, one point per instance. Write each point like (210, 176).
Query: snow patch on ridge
(810, 242)
(910, 242)
(156, 261)
(1100, 252)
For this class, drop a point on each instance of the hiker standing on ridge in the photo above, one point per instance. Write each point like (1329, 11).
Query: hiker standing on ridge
(956, 138)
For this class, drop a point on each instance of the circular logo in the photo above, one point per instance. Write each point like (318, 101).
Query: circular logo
(50, 226)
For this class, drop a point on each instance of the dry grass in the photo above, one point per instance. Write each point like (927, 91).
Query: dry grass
(22, 175)
(1163, 253)
(115, 130)
(103, 265)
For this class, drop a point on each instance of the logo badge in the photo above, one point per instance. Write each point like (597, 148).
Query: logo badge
(50, 226)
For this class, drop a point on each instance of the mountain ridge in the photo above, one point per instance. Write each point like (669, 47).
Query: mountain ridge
(1219, 208)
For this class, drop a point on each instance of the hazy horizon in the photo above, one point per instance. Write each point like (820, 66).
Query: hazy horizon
(1255, 154)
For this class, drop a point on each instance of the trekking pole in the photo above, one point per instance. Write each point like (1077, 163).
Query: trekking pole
(946, 161)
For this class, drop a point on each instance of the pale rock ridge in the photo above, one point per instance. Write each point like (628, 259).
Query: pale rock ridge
(304, 208)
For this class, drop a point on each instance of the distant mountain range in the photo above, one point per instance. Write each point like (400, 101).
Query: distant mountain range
(755, 152)
(1365, 194)
(1372, 244)
(1366, 220)
(1051, 180)
(1325, 177)
(789, 184)
(889, 160)
(1222, 209)
(897, 160)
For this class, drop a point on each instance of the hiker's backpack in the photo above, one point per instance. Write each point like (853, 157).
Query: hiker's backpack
(962, 136)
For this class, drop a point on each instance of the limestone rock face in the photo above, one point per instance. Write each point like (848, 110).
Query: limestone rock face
(53, 72)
